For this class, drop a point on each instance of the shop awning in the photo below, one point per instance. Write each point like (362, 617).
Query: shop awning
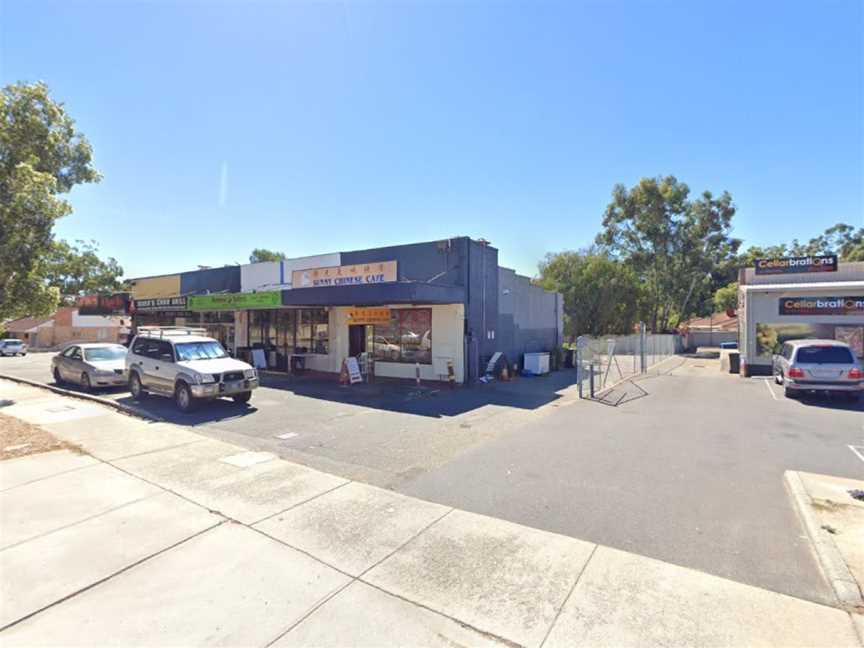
(374, 295)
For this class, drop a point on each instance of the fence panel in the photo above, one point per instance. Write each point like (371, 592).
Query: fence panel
(618, 357)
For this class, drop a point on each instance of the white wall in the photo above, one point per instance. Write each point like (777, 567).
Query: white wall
(764, 308)
(849, 271)
(447, 341)
(276, 275)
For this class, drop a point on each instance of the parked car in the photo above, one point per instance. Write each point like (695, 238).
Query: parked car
(90, 365)
(818, 365)
(186, 365)
(12, 347)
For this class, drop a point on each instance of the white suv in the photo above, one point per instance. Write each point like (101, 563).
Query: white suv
(185, 364)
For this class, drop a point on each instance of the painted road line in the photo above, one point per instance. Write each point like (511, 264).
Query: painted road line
(858, 450)
(770, 390)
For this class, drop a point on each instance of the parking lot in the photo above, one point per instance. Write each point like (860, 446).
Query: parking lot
(684, 465)
(383, 433)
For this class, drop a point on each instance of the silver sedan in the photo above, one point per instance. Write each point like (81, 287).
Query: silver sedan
(91, 365)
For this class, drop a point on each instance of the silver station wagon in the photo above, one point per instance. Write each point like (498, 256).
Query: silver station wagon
(818, 366)
(90, 365)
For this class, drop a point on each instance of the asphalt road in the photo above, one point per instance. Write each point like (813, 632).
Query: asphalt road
(687, 469)
(381, 434)
(685, 465)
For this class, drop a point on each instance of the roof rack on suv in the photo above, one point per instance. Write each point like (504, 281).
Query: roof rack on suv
(169, 331)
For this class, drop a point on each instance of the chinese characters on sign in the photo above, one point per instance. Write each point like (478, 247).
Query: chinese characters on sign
(351, 275)
(380, 316)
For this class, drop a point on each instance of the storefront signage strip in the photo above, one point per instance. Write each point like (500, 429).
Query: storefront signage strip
(160, 304)
(358, 274)
(793, 265)
(369, 316)
(822, 305)
(235, 301)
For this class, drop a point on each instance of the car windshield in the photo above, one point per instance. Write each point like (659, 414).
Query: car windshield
(105, 353)
(199, 351)
(824, 355)
(12, 341)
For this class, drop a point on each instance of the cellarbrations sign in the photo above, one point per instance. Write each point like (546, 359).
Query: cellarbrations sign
(822, 305)
(793, 265)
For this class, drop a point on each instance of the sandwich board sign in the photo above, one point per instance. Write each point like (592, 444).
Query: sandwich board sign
(354, 375)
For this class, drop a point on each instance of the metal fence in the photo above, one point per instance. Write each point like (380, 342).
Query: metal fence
(604, 361)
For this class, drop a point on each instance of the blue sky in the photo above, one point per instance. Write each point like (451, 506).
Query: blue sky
(312, 127)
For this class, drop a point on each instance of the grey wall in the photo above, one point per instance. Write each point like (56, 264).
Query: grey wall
(529, 317)
(211, 280)
(461, 262)
(434, 262)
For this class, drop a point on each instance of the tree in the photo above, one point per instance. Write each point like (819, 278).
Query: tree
(726, 298)
(41, 157)
(675, 245)
(78, 270)
(601, 295)
(260, 254)
(841, 239)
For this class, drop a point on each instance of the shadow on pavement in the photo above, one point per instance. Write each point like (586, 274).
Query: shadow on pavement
(434, 400)
(626, 392)
(831, 401)
(431, 399)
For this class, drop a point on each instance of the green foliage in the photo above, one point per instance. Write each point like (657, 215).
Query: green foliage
(78, 270)
(601, 295)
(726, 298)
(675, 245)
(260, 254)
(841, 239)
(41, 156)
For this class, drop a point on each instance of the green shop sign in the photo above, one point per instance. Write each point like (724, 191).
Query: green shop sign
(235, 301)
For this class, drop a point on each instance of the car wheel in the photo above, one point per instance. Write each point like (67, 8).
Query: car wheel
(245, 397)
(778, 378)
(183, 398)
(85, 381)
(57, 379)
(136, 388)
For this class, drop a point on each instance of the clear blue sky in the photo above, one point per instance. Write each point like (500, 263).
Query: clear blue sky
(312, 127)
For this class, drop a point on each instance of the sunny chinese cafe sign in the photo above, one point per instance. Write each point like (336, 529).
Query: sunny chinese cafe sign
(359, 274)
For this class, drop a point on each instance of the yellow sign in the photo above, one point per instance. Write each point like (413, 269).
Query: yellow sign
(369, 316)
(359, 274)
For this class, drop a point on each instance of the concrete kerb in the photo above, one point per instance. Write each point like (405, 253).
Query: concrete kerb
(120, 407)
(833, 566)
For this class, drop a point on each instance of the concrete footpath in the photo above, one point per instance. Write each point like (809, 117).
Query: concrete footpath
(155, 535)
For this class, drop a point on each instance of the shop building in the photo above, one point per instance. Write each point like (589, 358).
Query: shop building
(69, 324)
(797, 298)
(441, 306)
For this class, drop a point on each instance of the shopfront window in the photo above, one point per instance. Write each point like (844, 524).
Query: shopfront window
(286, 323)
(407, 338)
(304, 330)
(320, 332)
